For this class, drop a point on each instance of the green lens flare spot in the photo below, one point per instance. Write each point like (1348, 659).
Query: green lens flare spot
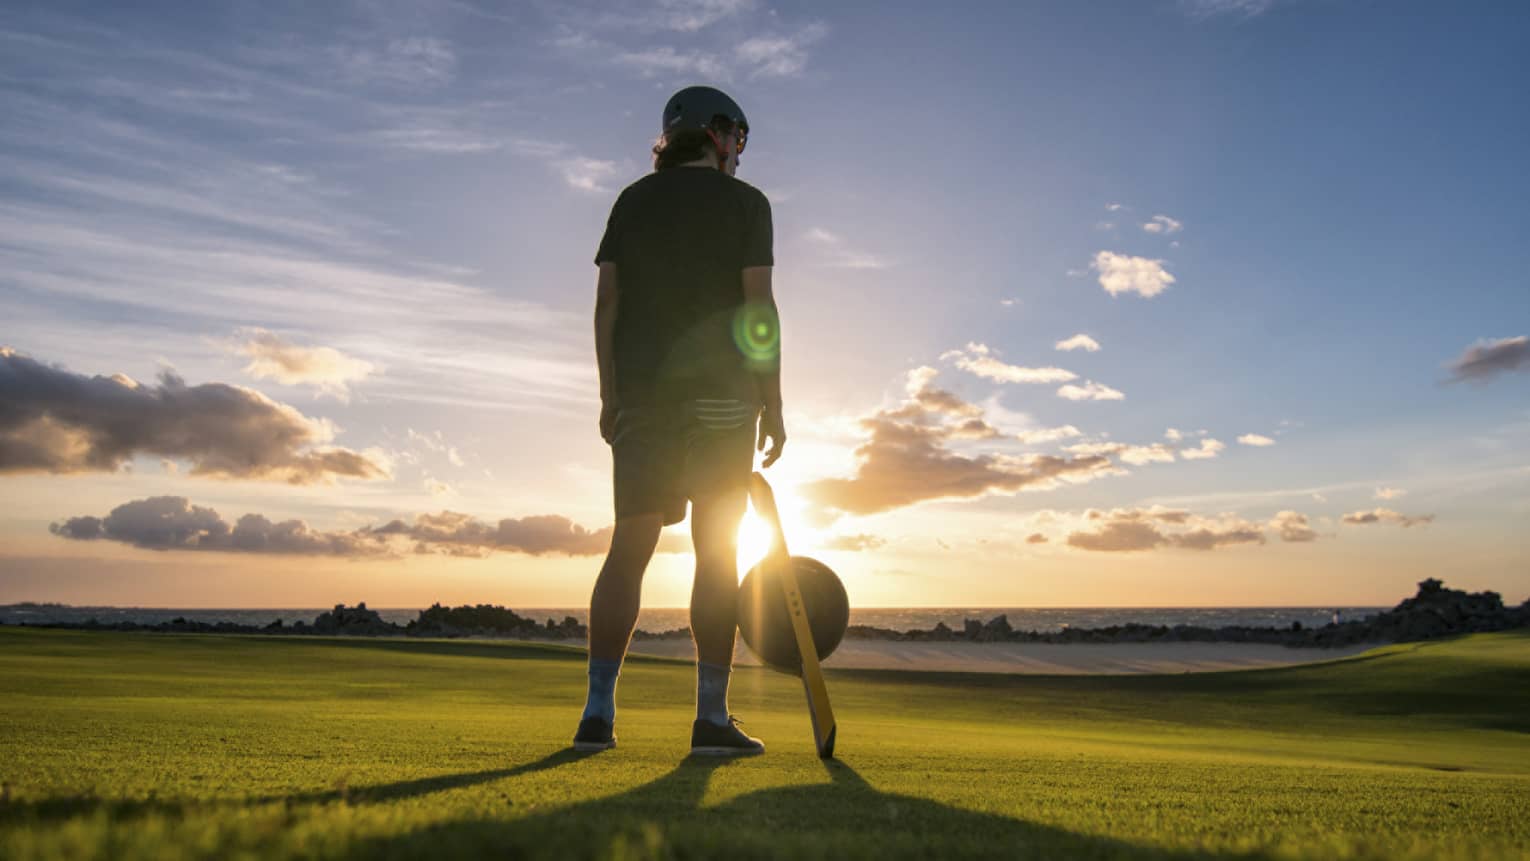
(757, 333)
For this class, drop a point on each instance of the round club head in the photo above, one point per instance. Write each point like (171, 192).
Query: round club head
(766, 626)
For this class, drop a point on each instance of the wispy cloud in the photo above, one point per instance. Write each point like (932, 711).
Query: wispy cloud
(1256, 440)
(1079, 342)
(1386, 515)
(1389, 493)
(413, 61)
(838, 253)
(983, 361)
(1090, 391)
(1163, 224)
(780, 56)
(1124, 273)
(1211, 8)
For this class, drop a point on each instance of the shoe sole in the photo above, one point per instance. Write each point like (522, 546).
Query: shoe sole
(593, 746)
(727, 751)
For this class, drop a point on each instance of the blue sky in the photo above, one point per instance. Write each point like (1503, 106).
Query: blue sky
(1282, 221)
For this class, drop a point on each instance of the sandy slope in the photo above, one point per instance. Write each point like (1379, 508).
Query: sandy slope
(1069, 659)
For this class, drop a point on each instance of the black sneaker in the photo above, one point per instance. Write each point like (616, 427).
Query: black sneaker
(710, 739)
(594, 734)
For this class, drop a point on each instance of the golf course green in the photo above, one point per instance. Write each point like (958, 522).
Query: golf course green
(129, 745)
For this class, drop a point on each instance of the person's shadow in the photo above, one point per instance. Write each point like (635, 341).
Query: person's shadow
(846, 817)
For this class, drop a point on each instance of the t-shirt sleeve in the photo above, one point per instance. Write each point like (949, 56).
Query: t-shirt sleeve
(610, 241)
(758, 236)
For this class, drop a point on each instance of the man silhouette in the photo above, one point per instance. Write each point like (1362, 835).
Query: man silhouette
(687, 338)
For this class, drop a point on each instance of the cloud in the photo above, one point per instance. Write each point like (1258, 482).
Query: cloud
(1257, 440)
(587, 174)
(1292, 526)
(1035, 538)
(174, 523)
(1488, 358)
(1122, 273)
(1079, 342)
(1113, 207)
(1208, 449)
(1090, 391)
(1045, 435)
(665, 60)
(688, 16)
(840, 255)
(1138, 455)
(1385, 515)
(779, 56)
(416, 61)
(1163, 224)
(1210, 8)
(905, 458)
(979, 359)
(275, 358)
(52, 420)
(1173, 434)
(1389, 493)
(1129, 530)
(859, 541)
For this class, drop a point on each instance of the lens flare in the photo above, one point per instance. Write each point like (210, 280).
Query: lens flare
(757, 334)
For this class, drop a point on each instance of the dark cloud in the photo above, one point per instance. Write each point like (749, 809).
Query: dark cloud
(52, 420)
(906, 459)
(1035, 538)
(1487, 359)
(1386, 515)
(173, 523)
(1128, 529)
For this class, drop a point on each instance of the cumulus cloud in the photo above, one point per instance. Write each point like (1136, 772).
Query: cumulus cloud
(1208, 449)
(1079, 342)
(1163, 224)
(52, 420)
(1389, 492)
(1292, 526)
(1036, 538)
(174, 523)
(1488, 358)
(983, 361)
(1254, 439)
(905, 458)
(1090, 391)
(1173, 434)
(1045, 435)
(1123, 273)
(1128, 530)
(273, 357)
(856, 542)
(586, 174)
(1113, 207)
(1385, 515)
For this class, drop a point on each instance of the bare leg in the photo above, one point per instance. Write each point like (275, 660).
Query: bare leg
(714, 594)
(618, 590)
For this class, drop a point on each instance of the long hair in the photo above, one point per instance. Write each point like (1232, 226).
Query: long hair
(682, 146)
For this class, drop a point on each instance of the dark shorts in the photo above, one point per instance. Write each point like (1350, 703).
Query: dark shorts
(665, 454)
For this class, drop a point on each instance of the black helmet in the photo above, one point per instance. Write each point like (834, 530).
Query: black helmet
(698, 107)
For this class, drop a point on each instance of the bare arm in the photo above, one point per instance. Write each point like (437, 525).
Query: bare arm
(605, 348)
(757, 291)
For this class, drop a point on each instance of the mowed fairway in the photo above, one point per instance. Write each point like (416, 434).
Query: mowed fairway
(161, 746)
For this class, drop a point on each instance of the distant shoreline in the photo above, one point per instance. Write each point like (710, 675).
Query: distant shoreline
(1434, 611)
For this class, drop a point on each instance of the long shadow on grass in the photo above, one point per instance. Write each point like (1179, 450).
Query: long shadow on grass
(844, 818)
(65, 807)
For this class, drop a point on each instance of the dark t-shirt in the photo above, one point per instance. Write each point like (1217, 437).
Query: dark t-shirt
(679, 238)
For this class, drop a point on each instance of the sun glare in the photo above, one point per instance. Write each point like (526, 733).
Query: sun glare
(754, 537)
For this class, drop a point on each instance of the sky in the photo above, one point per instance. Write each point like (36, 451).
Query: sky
(1147, 303)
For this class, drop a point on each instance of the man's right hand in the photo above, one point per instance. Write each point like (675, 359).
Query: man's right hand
(772, 427)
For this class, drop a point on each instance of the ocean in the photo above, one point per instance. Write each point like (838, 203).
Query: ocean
(666, 618)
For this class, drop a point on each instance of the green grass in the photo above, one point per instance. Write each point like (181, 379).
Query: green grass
(160, 746)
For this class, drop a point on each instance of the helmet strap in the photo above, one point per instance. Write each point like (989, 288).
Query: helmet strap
(722, 151)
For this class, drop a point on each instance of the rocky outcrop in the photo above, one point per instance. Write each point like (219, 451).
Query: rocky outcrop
(1434, 612)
